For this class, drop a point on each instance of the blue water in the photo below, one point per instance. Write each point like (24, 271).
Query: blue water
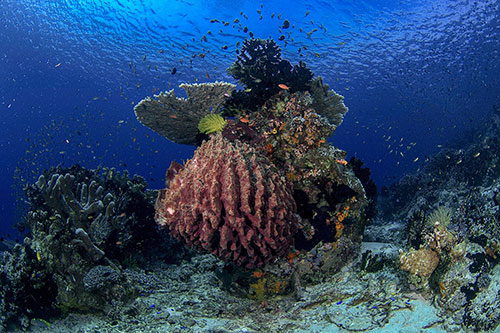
(415, 75)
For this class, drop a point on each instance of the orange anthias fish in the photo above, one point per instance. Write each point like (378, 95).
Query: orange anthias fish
(339, 227)
(291, 256)
(341, 161)
(258, 274)
(283, 86)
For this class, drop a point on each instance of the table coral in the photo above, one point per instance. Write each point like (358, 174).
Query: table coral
(177, 118)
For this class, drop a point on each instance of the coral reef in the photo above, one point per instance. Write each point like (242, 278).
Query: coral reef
(272, 197)
(229, 200)
(290, 132)
(177, 118)
(453, 214)
(282, 118)
(26, 289)
(269, 191)
(82, 222)
(286, 129)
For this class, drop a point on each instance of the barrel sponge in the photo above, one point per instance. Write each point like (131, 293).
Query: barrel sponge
(228, 200)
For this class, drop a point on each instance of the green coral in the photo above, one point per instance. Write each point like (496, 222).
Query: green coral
(211, 123)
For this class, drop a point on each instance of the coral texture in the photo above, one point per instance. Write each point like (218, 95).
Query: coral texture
(327, 102)
(80, 219)
(229, 201)
(422, 262)
(177, 118)
(293, 136)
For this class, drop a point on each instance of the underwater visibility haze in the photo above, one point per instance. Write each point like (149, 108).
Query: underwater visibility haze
(332, 165)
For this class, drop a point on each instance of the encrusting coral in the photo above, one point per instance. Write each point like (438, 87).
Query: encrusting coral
(229, 201)
(177, 118)
(420, 262)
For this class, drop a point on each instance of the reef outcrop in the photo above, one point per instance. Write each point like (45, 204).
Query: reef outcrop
(266, 181)
(85, 227)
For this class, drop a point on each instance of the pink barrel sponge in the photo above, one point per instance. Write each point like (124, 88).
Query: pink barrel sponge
(228, 200)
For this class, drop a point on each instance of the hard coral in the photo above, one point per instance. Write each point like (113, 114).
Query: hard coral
(177, 118)
(228, 201)
(80, 219)
(421, 262)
